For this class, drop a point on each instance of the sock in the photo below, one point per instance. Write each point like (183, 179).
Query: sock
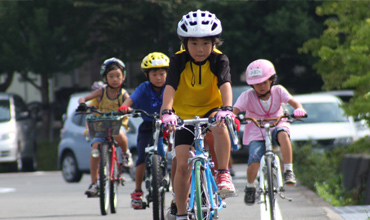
(181, 217)
(222, 171)
(250, 185)
(288, 166)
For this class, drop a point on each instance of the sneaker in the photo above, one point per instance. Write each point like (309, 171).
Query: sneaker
(172, 211)
(93, 190)
(224, 184)
(127, 159)
(289, 178)
(250, 195)
(137, 199)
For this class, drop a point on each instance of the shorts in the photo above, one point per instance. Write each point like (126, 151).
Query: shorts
(101, 139)
(257, 148)
(185, 137)
(144, 139)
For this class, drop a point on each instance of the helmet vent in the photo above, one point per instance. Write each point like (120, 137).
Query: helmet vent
(184, 28)
(206, 22)
(214, 26)
(192, 23)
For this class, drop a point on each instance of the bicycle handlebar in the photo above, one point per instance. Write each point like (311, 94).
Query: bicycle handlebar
(211, 122)
(259, 122)
(93, 109)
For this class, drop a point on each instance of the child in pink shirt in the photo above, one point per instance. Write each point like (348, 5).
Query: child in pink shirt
(264, 101)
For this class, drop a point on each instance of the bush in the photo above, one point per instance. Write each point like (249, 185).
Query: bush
(320, 171)
(47, 155)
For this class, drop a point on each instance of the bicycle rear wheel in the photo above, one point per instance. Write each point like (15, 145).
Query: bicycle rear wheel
(270, 183)
(201, 193)
(113, 187)
(158, 190)
(104, 178)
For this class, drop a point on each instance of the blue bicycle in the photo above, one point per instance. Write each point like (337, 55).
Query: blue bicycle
(204, 202)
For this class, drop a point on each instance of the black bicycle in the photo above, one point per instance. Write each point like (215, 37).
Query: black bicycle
(156, 178)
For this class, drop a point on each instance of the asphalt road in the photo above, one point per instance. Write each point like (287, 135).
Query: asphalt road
(46, 196)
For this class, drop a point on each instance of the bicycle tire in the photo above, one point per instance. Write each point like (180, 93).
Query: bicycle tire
(201, 193)
(113, 187)
(158, 191)
(270, 183)
(104, 178)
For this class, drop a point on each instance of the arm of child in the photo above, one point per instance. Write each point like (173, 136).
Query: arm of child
(226, 94)
(299, 111)
(128, 102)
(94, 94)
(168, 97)
(236, 110)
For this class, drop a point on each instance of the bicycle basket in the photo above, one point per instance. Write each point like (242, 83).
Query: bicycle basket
(104, 126)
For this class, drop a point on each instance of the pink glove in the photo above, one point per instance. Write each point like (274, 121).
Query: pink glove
(299, 112)
(221, 114)
(169, 119)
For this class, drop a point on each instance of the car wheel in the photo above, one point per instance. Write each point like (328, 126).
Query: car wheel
(69, 168)
(17, 165)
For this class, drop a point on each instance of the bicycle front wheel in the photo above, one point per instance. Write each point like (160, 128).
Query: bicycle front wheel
(113, 187)
(104, 178)
(158, 190)
(270, 183)
(201, 193)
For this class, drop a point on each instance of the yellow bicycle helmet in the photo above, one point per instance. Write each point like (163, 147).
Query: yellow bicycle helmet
(155, 60)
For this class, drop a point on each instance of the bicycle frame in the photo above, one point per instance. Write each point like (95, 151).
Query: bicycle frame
(215, 201)
(114, 160)
(276, 163)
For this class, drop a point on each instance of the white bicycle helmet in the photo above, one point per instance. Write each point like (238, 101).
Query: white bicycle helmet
(199, 24)
(109, 61)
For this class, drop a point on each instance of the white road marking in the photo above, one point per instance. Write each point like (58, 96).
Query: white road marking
(6, 190)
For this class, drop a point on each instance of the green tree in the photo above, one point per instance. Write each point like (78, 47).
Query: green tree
(343, 51)
(42, 37)
(272, 30)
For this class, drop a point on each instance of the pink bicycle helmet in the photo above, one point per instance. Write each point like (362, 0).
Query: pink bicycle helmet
(199, 24)
(259, 71)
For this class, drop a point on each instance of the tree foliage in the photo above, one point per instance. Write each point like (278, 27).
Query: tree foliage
(43, 37)
(343, 50)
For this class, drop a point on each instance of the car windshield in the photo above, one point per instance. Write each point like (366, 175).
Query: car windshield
(322, 113)
(4, 110)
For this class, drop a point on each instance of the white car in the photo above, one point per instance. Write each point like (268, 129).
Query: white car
(18, 145)
(327, 126)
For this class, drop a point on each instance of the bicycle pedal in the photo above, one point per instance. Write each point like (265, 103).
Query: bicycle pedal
(92, 195)
(290, 184)
(228, 195)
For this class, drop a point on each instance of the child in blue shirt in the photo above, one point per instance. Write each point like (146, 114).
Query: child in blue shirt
(148, 97)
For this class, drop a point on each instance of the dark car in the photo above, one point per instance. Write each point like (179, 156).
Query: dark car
(18, 146)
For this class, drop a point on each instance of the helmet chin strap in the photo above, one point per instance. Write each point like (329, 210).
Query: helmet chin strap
(263, 95)
(156, 87)
(113, 87)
